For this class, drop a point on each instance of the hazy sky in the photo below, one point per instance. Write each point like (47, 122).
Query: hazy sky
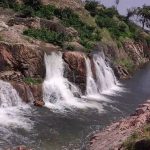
(124, 4)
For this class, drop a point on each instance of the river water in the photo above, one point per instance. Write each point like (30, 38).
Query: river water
(53, 129)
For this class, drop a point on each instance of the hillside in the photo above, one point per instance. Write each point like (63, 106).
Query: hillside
(76, 29)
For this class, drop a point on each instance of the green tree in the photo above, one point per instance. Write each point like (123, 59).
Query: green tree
(35, 4)
(144, 15)
(130, 12)
(91, 6)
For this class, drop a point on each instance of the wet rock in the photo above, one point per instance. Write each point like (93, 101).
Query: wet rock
(76, 94)
(23, 91)
(11, 76)
(37, 91)
(75, 68)
(39, 103)
(141, 110)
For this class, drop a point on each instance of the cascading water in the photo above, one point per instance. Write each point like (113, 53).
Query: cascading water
(91, 87)
(11, 107)
(105, 78)
(8, 95)
(57, 89)
(58, 92)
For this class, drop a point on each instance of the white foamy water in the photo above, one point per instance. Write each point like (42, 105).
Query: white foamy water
(58, 92)
(91, 87)
(105, 81)
(12, 109)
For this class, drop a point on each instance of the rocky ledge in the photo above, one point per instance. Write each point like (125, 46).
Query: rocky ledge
(116, 134)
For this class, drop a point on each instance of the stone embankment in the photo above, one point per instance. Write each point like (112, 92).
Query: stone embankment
(114, 135)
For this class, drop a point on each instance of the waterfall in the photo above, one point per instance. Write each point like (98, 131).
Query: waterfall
(105, 78)
(58, 92)
(91, 87)
(12, 109)
(8, 95)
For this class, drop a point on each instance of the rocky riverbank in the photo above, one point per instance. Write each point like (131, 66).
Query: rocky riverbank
(116, 134)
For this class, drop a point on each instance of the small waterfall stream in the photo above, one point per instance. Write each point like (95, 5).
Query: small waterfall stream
(12, 110)
(8, 95)
(91, 86)
(105, 78)
(58, 91)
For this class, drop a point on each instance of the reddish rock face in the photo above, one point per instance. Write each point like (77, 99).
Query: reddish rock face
(23, 91)
(18, 57)
(39, 103)
(75, 68)
(37, 91)
(29, 93)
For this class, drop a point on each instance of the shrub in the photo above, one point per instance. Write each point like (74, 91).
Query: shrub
(127, 63)
(91, 6)
(35, 4)
(27, 11)
(47, 36)
(45, 11)
(9, 4)
(70, 47)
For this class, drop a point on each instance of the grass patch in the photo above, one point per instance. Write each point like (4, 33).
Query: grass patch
(47, 36)
(143, 135)
(126, 63)
(32, 81)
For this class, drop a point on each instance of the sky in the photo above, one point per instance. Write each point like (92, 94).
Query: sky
(125, 4)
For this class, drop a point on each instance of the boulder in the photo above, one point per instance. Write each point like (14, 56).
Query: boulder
(11, 76)
(29, 61)
(39, 103)
(23, 91)
(75, 68)
(3, 26)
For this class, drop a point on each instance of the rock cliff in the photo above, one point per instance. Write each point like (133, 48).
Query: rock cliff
(114, 135)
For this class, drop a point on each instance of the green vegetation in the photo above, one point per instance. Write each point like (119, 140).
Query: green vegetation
(144, 135)
(91, 6)
(32, 81)
(47, 36)
(126, 63)
(119, 27)
(143, 14)
(70, 47)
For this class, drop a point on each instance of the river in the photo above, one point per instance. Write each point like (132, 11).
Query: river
(68, 129)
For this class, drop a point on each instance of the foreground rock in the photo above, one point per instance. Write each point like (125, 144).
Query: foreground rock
(19, 148)
(39, 103)
(76, 68)
(114, 136)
